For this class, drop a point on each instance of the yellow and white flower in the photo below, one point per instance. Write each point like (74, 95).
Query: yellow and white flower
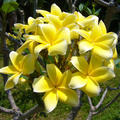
(20, 65)
(55, 88)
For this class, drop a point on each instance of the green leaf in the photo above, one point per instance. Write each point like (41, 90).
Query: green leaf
(9, 6)
(81, 6)
(117, 61)
(89, 11)
(38, 68)
(7, 1)
(97, 12)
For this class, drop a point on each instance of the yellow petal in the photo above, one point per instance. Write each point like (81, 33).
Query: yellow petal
(102, 74)
(89, 21)
(39, 48)
(78, 80)
(54, 20)
(84, 46)
(54, 74)
(115, 40)
(79, 16)
(80, 63)
(95, 32)
(102, 27)
(95, 62)
(55, 10)
(50, 100)
(84, 34)
(105, 40)
(48, 31)
(32, 46)
(114, 53)
(20, 26)
(110, 64)
(64, 81)
(12, 81)
(43, 12)
(8, 70)
(23, 47)
(68, 96)
(28, 64)
(74, 34)
(14, 57)
(42, 84)
(59, 48)
(63, 34)
(30, 20)
(91, 88)
(104, 52)
(63, 15)
(36, 38)
(71, 18)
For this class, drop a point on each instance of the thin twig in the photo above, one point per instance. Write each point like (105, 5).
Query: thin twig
(90, 103)
(102, 99)
(11, 100)
(35, 7)
(104, 3)
(117, 88)
(30, 112)
(12, 39)
(75, 1)
(92, 108)
(9, 111)
(106, 106)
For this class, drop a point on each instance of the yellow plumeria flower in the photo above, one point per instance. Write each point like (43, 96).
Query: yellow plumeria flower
(85, 22)
(56, 88)
(60, 19)
(98, 40)
(55, 41)
(20, 65)
(69, 22)
(55, 10)
(20, 27)
(33, 24)
(89, 75)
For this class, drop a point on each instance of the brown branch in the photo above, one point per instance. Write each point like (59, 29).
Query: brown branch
(12, 39)
(104, 3)
(71, 5)
(9, 111)
(75, 110)
(102, 99)
(110, 88)
(90, 103)
(75, 1)
(112, 9)
(106, 106)
(35, 7)
(92, 108)
(30, 112)
(11, 100)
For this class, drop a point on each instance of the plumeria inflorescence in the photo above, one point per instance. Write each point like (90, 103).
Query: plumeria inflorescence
(77, 53)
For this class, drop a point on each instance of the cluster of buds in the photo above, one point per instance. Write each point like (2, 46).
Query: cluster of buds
(66, 51)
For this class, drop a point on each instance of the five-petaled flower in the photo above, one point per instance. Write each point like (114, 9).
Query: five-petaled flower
(56, 87)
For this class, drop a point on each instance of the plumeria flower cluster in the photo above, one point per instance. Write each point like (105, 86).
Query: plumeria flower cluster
(77, 52)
